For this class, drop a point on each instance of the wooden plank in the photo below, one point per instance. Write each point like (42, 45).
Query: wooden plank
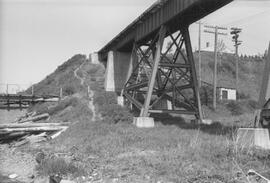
(25, 125)
(35, 118)
(33, 129)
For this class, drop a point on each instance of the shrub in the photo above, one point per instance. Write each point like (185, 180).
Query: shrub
(253, 104)
(235, 108)
(53, 166)
(105, 98)
(243, 96)
(40, 108)
(110, 110)
(69, 90)
(114, 113)
(206, 94)
(93, 70)
(63, 104)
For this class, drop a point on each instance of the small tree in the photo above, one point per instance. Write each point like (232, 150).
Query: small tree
(221, 47)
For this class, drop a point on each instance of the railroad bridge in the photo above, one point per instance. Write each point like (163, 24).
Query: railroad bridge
(151, 61)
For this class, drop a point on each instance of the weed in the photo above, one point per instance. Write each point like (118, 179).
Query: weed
(58, 166)
(69, 90)
(72, 101)
(110, 110)
(235, 108)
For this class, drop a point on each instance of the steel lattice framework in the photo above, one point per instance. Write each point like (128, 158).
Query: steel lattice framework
(164, 74)
(159, 75)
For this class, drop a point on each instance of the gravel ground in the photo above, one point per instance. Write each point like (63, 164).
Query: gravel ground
(13, 161)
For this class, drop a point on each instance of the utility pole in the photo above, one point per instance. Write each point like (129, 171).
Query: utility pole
(235, 35)
(7, 89)
(216, 33)
(32, 90)
(200, 57)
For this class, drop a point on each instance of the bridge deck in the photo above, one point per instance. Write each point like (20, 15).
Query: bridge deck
(171, 12)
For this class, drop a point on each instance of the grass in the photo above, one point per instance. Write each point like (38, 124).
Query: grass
(62, 77)
(166, 152)
(174, 151)
(249, 73)
(58, 166)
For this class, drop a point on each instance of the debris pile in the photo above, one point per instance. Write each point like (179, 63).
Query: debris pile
(31, 128)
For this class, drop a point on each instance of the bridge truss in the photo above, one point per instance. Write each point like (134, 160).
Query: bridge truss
(163, 78)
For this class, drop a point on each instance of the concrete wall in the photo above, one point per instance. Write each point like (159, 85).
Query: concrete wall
(118, 64)
(93, 57)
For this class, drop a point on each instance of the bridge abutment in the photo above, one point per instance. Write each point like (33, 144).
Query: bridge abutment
(93, 57)
(118, 66)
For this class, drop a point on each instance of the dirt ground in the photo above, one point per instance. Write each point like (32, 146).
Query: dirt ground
(14, 161)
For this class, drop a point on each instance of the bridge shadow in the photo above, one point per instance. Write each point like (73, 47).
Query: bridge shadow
(216, 128)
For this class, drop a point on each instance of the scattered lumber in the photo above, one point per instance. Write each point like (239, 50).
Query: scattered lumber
(34, 129)
(28, 124)
(30, 132)
(28, 129)
(11, 136)
(47, 100)
(58, 133)
(35, 118)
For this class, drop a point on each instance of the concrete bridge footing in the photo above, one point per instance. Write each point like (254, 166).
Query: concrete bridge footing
(253, 137)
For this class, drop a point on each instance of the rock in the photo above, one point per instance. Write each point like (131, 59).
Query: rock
(207, 121)
(31, 176)
(42, 180)
(13, 176)
(40, 157)
(55, 179)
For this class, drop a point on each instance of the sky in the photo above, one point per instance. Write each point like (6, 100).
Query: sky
(36, 36)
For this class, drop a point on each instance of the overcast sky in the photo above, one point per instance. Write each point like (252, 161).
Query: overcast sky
(38, 35)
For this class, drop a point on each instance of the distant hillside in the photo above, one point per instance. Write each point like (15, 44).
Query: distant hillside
(250, 72)
(62, 77)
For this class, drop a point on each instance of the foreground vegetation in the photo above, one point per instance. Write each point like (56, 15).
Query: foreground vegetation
(110, 148)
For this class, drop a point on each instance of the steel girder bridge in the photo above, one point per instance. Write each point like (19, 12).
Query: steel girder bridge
(151, 61)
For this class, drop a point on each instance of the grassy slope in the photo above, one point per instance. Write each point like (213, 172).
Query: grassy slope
(173, 151)
(250, 76)
(250, 73)
(62, 77)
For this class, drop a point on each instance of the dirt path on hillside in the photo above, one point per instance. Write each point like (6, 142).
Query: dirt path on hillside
(76, 74)
(90, 93)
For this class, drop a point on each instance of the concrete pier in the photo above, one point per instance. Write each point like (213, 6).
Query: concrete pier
(253, 137)
(93, 57)
(109, 75)
(144, 122)
(118, 64)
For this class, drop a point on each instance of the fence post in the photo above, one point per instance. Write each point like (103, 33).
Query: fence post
(32, 90)
(61, 93)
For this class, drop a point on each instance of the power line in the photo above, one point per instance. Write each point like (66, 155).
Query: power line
(235, 35)
(246, 18)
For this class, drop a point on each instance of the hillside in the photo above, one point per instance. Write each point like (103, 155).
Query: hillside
(101, 145)
(250, 73)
